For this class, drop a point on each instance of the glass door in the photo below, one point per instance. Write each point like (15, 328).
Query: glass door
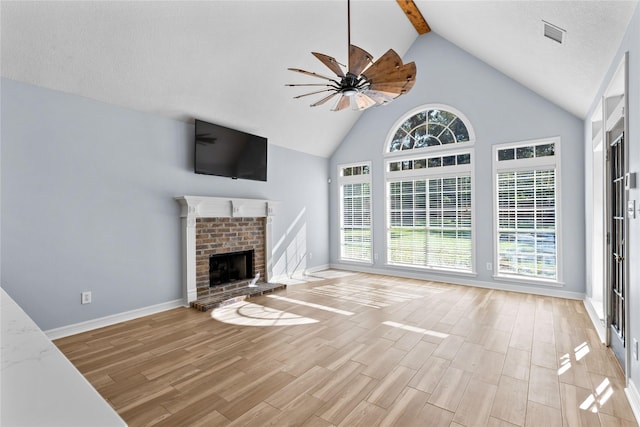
(617, 264)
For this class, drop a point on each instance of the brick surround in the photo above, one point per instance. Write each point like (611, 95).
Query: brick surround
(241, 215)
(221, 235)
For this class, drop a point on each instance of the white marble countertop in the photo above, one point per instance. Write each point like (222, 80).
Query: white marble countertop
(39, 385)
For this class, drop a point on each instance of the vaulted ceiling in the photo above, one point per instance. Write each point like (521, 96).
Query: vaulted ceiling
(226, 61)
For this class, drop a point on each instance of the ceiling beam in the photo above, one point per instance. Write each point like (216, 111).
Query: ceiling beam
(411, 10)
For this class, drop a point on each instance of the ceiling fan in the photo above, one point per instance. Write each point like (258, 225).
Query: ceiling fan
(363, 83)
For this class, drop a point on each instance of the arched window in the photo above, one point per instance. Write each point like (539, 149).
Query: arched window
(431, 126)
(429, 177)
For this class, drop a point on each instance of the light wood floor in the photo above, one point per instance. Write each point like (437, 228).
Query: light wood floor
(358, 349)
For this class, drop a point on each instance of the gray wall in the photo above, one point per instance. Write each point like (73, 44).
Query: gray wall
(631, 44)
(88, 204)
(500, 110)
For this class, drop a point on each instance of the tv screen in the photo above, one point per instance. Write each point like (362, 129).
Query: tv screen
(228, 152)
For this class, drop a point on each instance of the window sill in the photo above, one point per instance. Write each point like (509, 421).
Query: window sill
(528, 280)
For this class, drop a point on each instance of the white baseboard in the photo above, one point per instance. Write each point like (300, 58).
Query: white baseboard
(634, 399)
(460, 280)
(595, 319)
(316, 269)
(101, 322)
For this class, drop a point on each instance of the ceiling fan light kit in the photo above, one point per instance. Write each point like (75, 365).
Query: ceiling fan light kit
(364, 83)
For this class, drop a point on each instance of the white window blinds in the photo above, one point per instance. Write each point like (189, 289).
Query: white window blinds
(430, 222)
(527, 219)
(355, 213)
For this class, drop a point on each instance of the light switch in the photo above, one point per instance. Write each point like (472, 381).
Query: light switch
(631, 209)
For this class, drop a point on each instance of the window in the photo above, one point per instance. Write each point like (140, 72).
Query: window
(429, 191)
(355, 212)
(526, 191)
(430, 127)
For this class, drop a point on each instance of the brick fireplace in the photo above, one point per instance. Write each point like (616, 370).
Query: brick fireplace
(215, 225)
(227, 236)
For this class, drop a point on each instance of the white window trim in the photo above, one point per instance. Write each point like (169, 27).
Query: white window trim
(455, 171)
(427, 173)
(525, 165)
(354, 179)
(394, 128)
(415, 154)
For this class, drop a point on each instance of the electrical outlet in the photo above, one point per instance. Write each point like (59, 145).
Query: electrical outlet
(85, 298)
(489, 266)
(310, 255)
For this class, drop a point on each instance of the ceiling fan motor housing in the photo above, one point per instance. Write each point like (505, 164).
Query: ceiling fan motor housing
(352, 84)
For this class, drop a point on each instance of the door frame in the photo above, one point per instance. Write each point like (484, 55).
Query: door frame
(616, 85)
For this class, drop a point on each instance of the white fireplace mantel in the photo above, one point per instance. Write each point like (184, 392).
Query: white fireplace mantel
(193, 207)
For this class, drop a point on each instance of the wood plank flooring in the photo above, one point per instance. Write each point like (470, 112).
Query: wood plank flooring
(351, 349)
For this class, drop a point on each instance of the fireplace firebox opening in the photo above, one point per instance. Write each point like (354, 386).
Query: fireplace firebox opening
(230, 267)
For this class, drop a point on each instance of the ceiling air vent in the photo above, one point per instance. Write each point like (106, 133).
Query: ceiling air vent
(552, 32)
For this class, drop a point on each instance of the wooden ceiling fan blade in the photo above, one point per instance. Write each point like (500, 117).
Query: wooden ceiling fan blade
(323, 100)
(391, 88)
(330, 62)
(399, 82)
(402, 75)
(311, 73)
(363, 101)
(385, 64)
(390, 95)
(312, 93)
(409, 85)
(343, 103)
(359, 60)
(379, 97)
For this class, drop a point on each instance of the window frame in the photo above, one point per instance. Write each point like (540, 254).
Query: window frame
(354, 179)
(527, 165)
(401, 153)
(442, 172)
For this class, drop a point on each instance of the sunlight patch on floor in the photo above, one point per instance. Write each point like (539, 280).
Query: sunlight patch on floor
(594, 402)
(565, 360)
(603, 391)
(299, 279)
(249, 314)
(368, 296)
(415, 329)
(582, 350)
(341, 293)
(565, 364)
(331, 274)
(311, 304)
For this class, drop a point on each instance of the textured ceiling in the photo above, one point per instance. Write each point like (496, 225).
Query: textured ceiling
(225, 61)
(508, 36)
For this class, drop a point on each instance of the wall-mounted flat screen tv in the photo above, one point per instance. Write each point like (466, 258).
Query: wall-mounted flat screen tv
(228, 152)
